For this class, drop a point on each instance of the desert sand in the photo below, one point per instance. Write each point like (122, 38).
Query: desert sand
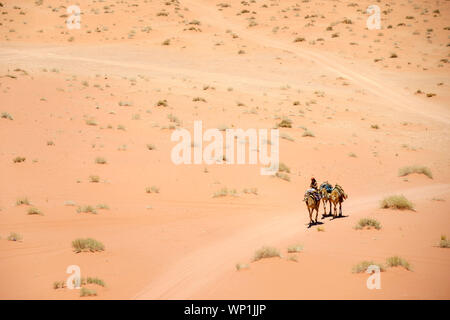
(363, 104)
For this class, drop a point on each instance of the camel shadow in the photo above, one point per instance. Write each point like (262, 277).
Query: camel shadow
(339, 217)
(327, 215)
(314, 224)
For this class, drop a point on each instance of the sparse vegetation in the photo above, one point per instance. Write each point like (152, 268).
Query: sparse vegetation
(6, 115)
(397, 261)
(225, 192)
(22, 201)
(33, 211)
(295, 248)
(266, 252)
(240, 266)
(88, 244)
(307, 133)
(19, 159)
(96, 281)
(84, 292)
(368, 222)
(152, 189)
(283, 168)
(13, 236)
(100, 160)
(444, 243)
(397, 202)
(86, 209)
(285, 123)
(415, 169)
(94, 179)
(362, 266)
(283, 176)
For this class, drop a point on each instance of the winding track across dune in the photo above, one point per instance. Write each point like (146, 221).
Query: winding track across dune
(202, 267)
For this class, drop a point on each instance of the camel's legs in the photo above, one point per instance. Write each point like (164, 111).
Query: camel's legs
(310, 215)
(324, 207)
(340, 209)
(317, 212)
(329, 201)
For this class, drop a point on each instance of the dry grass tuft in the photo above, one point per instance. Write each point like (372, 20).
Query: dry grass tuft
(397, 202)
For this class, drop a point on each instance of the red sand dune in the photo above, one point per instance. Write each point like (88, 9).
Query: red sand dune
(375, 101)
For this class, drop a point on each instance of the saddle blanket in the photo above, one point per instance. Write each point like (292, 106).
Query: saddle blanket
(314, 193)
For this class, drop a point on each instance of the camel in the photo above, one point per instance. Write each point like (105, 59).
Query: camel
(325, 191)
(337, 196)
(312, 204)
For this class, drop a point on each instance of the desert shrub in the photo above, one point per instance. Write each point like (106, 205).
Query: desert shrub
(368, 222)
(100, 160)
(295, 248)
(308, 133)
(285, 123)
(283, 176)
(444, 243)
(266, 252)
(6, 115)
(13, 236)
(397, 202)
(87, 244)
(152, 189)
(415, 169)
(86, 209)
(94, 179)
(283, 168)
(162, 103)
(225, 192)
(22, 201)
(19, 159)
(96, 281)
(362, 266)
(34, 210)
(397, 261)
(84, 292)
(240, 266)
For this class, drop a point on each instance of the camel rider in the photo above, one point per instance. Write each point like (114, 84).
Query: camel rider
(313, 184)
(313, 189)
